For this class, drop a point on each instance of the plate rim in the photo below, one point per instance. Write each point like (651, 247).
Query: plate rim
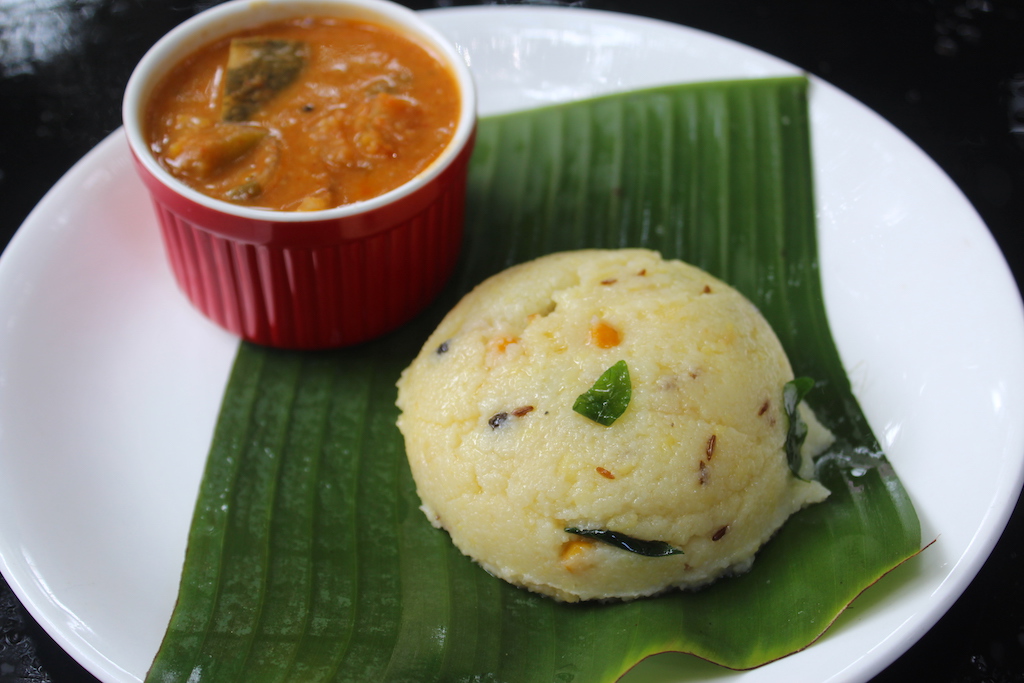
(958, 578)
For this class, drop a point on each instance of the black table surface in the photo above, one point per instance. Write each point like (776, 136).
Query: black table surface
(948, 73)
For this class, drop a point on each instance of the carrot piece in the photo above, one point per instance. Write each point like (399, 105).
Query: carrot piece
(604, 335)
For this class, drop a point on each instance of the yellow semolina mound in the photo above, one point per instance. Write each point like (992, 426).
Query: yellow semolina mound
(696, 462)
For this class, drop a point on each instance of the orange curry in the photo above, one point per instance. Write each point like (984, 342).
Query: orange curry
(303, 115)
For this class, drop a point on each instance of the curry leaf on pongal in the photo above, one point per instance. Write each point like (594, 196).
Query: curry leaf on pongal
(626, 542)
(792, 393)
(607, 400)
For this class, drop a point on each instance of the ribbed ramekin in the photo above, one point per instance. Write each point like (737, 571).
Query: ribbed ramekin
(307, 280)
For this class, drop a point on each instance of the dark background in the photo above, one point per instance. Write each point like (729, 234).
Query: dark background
(949, 74)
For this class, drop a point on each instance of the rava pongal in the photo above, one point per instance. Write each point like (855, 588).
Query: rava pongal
(606, 424)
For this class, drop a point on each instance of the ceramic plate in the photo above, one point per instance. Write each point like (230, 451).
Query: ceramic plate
(110, 382)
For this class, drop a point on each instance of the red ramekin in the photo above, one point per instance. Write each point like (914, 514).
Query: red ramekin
(319, 279)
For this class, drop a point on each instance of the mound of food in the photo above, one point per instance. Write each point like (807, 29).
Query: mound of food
(607, 424)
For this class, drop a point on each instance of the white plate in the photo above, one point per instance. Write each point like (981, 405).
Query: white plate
(110, 383)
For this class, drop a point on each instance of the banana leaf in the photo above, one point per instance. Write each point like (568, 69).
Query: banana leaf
(308, 557)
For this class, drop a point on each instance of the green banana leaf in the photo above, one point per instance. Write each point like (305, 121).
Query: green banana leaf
(308, 557)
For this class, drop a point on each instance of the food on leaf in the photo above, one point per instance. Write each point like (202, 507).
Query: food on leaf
(683, 492)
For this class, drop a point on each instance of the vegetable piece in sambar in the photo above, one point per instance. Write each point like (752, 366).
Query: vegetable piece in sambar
(653, 453)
